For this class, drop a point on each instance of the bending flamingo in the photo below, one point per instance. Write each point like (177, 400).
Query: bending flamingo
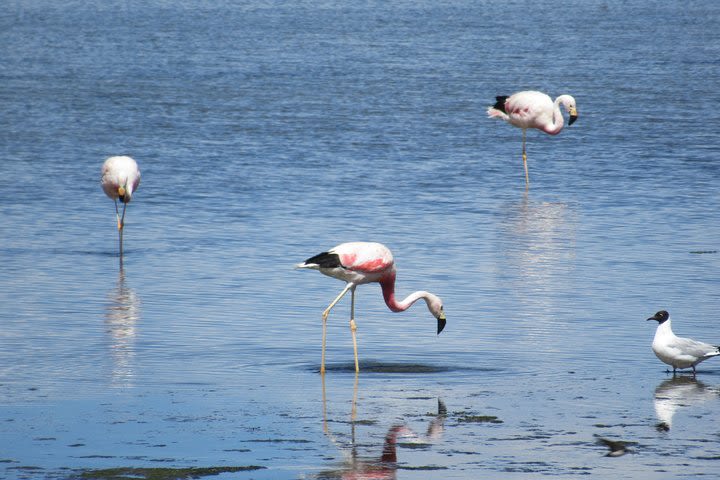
(531, 109)
(120, 178)
(365, 262)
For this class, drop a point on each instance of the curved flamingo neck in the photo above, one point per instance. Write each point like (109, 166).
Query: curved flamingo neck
(387, 284)
(558, 122)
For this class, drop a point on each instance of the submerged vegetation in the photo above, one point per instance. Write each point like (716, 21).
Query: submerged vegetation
(127, 473)
(469, 418)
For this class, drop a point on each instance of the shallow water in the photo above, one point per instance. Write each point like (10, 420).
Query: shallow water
(268, 132)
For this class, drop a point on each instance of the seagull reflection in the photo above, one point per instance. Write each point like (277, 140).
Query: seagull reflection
(680, 392)
(383, 466)
(121, 317)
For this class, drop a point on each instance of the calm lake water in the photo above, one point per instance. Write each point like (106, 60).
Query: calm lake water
(270, 131)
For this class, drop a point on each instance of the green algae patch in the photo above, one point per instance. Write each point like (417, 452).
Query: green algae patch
(126, 473)
(478, 419)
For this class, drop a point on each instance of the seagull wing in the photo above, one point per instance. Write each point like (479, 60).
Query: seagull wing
(687, 347)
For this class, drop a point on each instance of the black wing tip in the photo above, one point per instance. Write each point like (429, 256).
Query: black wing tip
(500, 103)
(325, 260)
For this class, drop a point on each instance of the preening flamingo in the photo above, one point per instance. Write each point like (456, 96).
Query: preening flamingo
(120, 178)
(677, 351)
(532, 109)
(365, 262)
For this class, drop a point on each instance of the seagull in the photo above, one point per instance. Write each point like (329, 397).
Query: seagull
(357, 263)
(676, 351)
(532, 109)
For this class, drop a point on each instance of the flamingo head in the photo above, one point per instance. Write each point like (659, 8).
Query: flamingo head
(435, 306)
(569, 103)
(124, 193)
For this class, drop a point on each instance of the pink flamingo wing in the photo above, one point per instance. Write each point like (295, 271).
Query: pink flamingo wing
(518, 109)
(364, 257)
(372, 266)
(351, 262)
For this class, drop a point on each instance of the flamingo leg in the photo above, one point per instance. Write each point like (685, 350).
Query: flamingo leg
(117, 215)
(120, 233)
(524, 157)
(120, 226)
(121, 222)
(324, 318)
(353, 329)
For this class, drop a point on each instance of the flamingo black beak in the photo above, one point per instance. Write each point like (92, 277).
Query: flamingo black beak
(573, 116)
(441, 323)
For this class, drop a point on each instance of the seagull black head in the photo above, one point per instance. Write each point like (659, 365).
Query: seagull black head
(660, 316)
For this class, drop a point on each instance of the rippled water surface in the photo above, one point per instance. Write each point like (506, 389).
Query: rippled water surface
(268, 132)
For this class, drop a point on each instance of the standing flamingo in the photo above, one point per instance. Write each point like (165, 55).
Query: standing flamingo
(365, 262)
(531, 109)
(120, 179)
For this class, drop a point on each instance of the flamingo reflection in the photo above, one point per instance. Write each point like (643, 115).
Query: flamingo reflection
(680, 392)
(121, 317)
(539, 239)
(378, 467)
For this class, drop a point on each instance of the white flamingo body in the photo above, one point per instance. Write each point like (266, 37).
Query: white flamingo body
(679, 352)
(120, 178)
(357, 263)
(532, 109)
(360, 262)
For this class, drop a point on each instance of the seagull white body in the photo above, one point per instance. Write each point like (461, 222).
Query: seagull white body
(678, 352)
(357, 263)
(120, 178)
(532, 109)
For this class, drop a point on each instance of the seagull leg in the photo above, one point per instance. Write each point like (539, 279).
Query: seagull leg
(353, 328)
(324, 318)
(524, 157)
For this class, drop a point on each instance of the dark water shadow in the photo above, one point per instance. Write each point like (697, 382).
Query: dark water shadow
(161, 473)
(373, 366)
(112, 253)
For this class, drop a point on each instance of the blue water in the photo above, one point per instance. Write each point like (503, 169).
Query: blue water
(268, 132)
